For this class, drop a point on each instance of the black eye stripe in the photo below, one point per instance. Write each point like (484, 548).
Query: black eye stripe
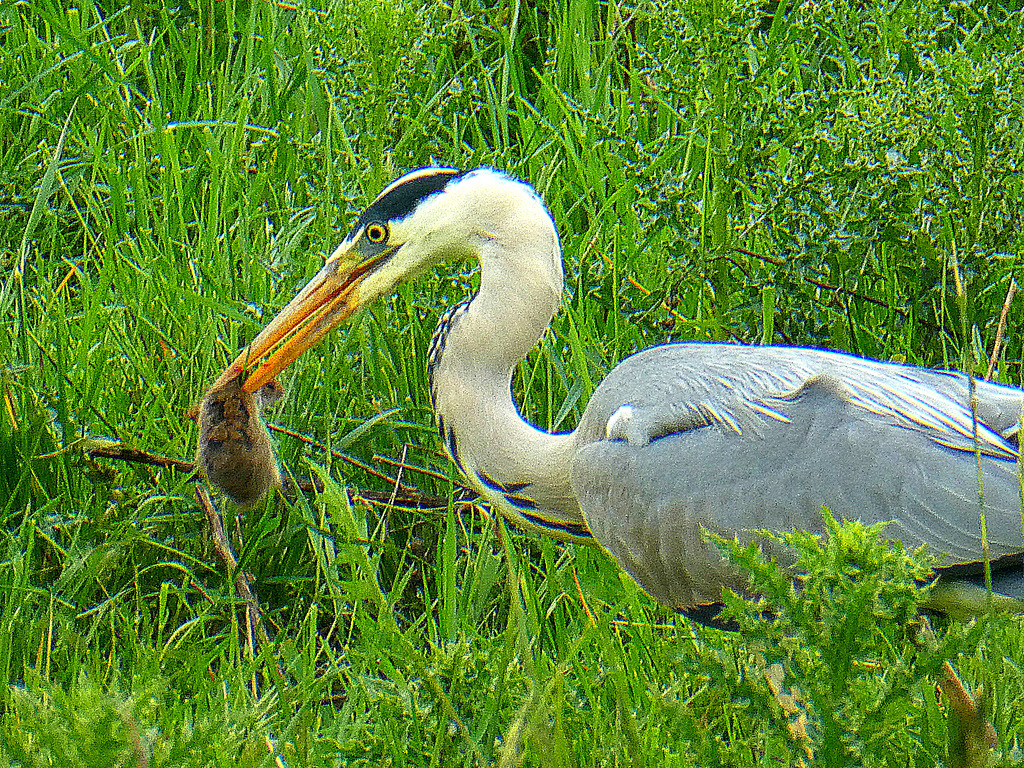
(405, 194)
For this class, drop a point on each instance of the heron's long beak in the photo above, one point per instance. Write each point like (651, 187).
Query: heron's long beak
(331, 297)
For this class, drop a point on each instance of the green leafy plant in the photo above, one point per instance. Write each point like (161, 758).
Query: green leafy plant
(834, 174)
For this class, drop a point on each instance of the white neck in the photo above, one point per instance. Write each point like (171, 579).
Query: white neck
(515, 465)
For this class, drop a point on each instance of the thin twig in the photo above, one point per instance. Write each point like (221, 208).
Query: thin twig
(997, 347)
(134, 456)
(410, 496)
(583, 600)
(398, 477)
(840, 289)
(826, 286)
(243, 580)
(401, 465)
(336, 454)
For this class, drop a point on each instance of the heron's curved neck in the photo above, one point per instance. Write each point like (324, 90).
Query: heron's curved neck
(523, 470)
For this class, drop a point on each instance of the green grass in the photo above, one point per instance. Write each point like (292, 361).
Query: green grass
(171, 173)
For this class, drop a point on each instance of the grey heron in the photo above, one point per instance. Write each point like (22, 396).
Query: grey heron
(679, 438)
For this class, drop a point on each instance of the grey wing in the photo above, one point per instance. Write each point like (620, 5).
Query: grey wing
(723, 459)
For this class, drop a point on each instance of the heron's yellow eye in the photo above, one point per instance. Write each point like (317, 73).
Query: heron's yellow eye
(376, 232)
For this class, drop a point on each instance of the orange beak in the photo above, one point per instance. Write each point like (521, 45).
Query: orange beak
(325, 301)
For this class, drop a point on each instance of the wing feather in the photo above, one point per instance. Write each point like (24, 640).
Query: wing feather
(805, 429)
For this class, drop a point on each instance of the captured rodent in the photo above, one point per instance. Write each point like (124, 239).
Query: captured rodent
(234, 450)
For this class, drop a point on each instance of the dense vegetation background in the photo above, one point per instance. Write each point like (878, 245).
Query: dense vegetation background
(837, 174)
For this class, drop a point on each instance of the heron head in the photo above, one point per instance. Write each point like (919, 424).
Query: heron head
(424, 217)
(396, 237)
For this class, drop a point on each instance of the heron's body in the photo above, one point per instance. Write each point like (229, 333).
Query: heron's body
(678, 438)
(731, 439)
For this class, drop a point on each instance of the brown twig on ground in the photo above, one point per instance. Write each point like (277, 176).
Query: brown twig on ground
(334, 454)
(243, 581)
(255, 630)
(134, 456)
(997, 347)
(408, 496)
(401, 466)
(826, 286)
